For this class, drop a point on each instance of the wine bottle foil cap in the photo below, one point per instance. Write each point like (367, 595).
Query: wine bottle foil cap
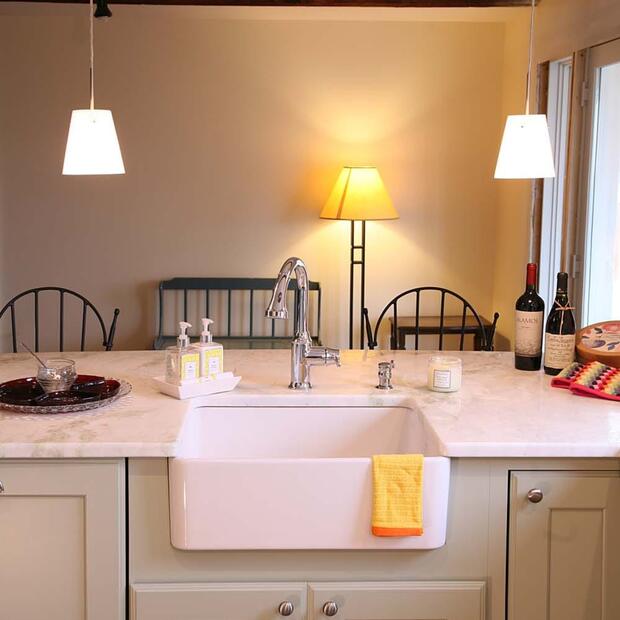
(531, 274)
(562, 281)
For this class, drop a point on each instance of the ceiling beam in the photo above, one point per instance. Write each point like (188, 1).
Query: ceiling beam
(436, 4)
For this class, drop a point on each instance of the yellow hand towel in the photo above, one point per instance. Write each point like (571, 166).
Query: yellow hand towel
(397, 495)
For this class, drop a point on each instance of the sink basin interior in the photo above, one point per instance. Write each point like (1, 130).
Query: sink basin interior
(304, 432)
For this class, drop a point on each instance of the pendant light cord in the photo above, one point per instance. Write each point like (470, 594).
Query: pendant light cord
(92, 57)
(529, 60)
(527, 111)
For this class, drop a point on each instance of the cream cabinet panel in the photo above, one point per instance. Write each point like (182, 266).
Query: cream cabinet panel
(417, 600)
(62, 540)
(564, 546)
(218, 601)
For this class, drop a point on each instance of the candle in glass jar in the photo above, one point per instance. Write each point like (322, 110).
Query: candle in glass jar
(444, 374)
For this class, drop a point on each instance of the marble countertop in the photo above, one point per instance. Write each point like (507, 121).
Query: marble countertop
(499, 411)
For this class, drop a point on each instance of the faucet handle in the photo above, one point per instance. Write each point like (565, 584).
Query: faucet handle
(317, 356)
(332, 356)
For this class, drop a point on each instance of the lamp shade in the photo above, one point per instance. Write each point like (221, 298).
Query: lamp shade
(92, 145)
(359, 194)
(525, 152)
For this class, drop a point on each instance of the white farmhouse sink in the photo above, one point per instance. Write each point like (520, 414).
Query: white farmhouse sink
(296, 478)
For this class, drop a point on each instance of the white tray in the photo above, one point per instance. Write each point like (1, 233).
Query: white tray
(225, 382)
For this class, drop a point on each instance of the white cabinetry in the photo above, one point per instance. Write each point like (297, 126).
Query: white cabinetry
(564, 545)
(214, 601)
(449, 600)
(316, 601)
(62, 540)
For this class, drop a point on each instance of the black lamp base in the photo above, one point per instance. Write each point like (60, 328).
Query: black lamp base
(357, 258)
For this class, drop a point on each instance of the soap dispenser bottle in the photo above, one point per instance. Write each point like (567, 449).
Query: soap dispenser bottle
(211, 353)
(182, 360)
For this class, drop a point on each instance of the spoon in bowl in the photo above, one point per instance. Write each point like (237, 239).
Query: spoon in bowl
(33, 354)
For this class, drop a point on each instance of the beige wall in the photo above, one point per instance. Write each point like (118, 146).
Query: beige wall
(4, 326)
(3, 268)
(234, 123)
(513, 213)
(233, 131)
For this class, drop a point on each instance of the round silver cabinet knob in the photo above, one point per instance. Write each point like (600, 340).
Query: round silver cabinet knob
(330, 608)
(535, 496)
(286, 608)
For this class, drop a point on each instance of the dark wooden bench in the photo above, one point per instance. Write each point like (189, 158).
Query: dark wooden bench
(257, 332)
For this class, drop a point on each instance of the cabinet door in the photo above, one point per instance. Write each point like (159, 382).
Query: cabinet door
(564, 550)
(62, 540)
(218, 601)
(422, 600)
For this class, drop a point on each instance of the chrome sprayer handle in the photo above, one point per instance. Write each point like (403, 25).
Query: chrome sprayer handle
(322, 356)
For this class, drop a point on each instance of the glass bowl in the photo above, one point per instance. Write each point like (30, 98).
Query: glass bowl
(58, 375)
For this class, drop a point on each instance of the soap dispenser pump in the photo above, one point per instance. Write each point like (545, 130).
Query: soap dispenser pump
(183, 339)
(182, 360)
(211, 353)
(206, 337)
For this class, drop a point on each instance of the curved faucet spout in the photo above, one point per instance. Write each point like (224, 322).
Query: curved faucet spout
(277, 306)
(303, 354)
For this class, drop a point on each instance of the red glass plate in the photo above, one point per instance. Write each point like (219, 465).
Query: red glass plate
(88, 392)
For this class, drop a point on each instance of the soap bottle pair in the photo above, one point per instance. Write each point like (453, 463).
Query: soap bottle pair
(187, 363)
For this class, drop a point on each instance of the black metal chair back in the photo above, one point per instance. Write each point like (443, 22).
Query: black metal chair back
(487, 334)
(108, 335)
(208, 287)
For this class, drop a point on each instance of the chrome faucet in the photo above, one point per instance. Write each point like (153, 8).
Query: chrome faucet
(303, 354)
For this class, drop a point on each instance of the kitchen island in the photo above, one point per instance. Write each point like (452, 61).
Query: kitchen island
(533, 519)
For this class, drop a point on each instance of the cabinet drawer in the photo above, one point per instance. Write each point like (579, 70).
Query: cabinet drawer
(412, 600)
(217, 601)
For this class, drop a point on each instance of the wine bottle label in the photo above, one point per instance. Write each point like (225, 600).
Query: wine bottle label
(559, 350)
(528, 333)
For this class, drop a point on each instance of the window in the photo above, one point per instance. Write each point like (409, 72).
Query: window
(558, 115)
(599, 223)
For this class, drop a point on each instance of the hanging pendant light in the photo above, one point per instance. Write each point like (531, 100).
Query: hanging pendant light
(92, 144)
(525, 152)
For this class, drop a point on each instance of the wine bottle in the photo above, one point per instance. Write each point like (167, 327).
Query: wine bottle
(530, 309)
(560, 330)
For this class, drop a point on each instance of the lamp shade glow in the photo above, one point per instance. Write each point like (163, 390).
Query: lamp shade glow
(92, 144)
(525, 152)
(359, 194)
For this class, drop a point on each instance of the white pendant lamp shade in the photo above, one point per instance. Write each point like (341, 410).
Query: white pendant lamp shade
(525, 152)
(92, 144)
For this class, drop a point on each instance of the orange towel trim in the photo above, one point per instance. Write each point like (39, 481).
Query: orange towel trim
(397, 531)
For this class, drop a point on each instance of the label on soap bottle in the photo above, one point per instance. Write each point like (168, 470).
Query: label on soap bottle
(189, 367)
(211, 362)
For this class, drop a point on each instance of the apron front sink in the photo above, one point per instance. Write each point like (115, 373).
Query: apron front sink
(296, 477)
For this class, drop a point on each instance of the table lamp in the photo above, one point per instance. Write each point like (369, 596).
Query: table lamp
(358, 195)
